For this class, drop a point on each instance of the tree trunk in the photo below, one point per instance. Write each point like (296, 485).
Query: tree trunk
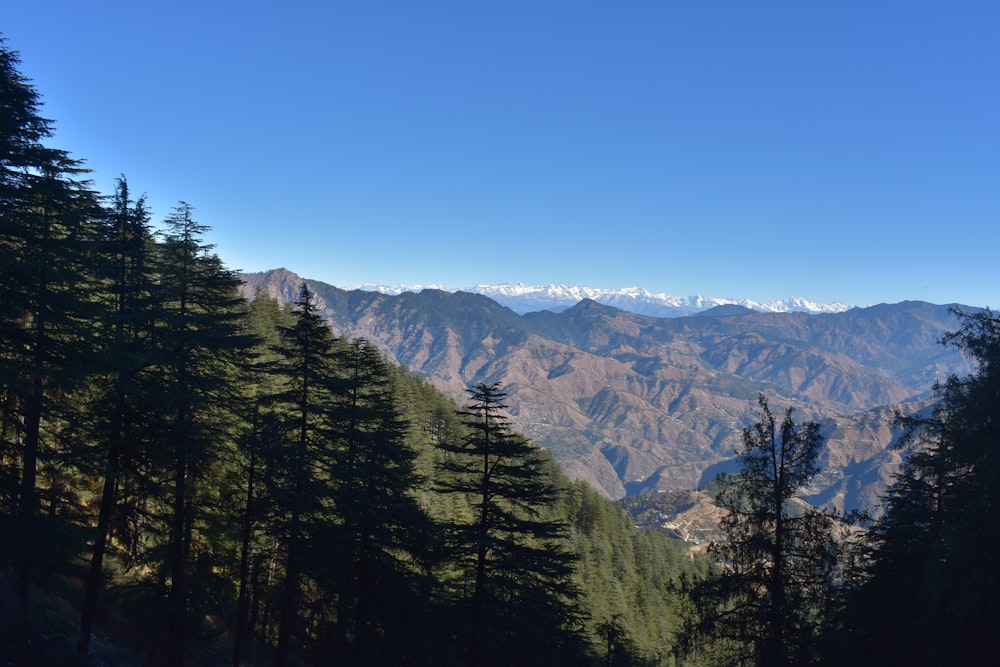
(108, 498)
(290, 593)
(178, 576)
(28, 506)
(243, 606)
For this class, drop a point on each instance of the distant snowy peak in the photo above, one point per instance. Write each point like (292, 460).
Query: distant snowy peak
(523, 298)
(395, 290)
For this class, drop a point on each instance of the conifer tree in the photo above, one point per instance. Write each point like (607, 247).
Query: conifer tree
(521, 607)
(201, 338)
(260, 385)
(48, 215)
(380, 529)
(778, 556)
(929, 591)
(302, 454)
(117, 412)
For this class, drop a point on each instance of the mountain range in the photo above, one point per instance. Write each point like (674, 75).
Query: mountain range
(632, 402)
(523, 299)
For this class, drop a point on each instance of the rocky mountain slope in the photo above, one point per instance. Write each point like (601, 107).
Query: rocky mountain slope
(631, 402)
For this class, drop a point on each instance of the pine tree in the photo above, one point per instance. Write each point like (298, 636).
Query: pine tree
(201, 339)
(521, 607)
(48, 215)
(260, 384)
(118, 414)
(381, 531)
(302, 455)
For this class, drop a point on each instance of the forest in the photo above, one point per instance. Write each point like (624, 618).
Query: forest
(188, 477)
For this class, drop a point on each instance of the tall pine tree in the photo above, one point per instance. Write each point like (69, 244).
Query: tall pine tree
(201, 339)
(381, 534)
(301, 457)
(48, 224)
(516, 594)
(118, 413)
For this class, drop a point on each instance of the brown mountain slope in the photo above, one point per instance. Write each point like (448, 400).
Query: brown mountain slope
(628, 402)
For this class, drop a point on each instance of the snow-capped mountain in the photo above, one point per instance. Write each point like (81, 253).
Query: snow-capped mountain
(523, 298)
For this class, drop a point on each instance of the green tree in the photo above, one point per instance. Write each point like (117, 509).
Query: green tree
(259, 433)
(778, 554)
(302, 455)
(201, 338)
(513, 559)
(48, 224)
(633, 582)
(930, 590)
(117, 413)
(381, 533)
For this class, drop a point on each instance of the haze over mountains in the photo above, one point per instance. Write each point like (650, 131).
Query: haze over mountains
(630, 401)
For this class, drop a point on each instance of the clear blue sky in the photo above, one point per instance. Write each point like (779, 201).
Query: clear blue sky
(830, 150)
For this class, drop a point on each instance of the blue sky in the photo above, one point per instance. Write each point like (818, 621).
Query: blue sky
(830, 150)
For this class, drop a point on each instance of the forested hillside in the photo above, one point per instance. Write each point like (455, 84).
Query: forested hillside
(189, 477)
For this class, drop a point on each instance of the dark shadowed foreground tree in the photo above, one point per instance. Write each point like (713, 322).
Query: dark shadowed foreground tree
(118, 419)
(778, 553)
(201, 341)
(264, 317)
(48, 222)
(376, 567)
(300, 458)
(518, 602)
(930, 593)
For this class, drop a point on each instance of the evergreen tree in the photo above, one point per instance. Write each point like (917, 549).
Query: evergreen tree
(259, 433)
(522, 605)
(201, 339)
(380, 531)
(48, 216)
(779, 556)
(117, 411)
(302, 456)
(930, 589)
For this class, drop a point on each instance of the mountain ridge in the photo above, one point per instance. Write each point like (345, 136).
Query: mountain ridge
(522, 298)
(629, 402)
